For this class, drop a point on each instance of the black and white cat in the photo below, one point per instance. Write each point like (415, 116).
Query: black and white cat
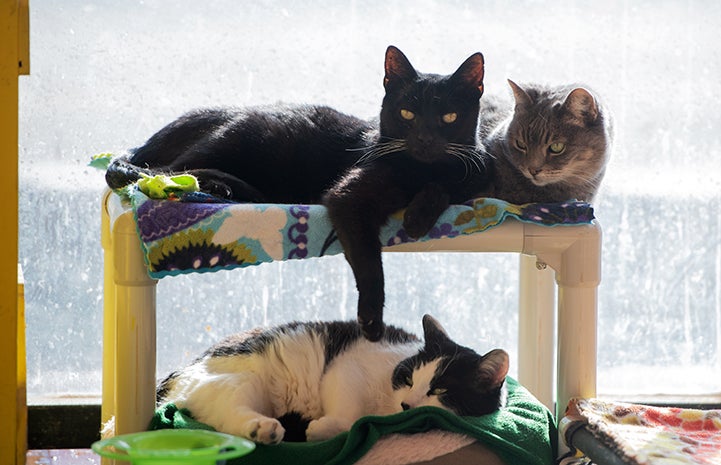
(330, 375)
(551, 145)
(422, 154)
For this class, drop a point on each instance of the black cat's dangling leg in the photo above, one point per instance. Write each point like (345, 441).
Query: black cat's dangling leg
(358, 206)
(367, 268)
(362, 251)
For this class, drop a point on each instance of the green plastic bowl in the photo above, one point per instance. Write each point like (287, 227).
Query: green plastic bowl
(174, 446)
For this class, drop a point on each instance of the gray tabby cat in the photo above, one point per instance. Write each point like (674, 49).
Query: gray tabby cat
(329, 375)
(551, 146)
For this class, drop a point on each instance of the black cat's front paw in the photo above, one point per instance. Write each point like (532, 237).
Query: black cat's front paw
(371, 329)
(217, 189)
(417, 224)
(424, 210)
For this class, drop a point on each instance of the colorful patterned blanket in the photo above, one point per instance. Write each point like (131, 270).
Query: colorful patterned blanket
(645, 435)
(198, 233)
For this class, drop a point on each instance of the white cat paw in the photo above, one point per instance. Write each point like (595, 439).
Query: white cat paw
(324, 428)
(265, 431)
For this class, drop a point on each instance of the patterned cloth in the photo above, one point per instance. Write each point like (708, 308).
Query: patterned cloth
(646, 435)
(197, 233)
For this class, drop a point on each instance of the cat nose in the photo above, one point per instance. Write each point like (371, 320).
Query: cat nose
(425, 139)
(534, 171)
(405, 406)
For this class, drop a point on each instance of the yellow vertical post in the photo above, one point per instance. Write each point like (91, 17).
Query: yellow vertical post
(14, 60)
(21, 444)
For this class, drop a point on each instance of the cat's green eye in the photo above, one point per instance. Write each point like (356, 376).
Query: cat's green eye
(407, 114)
(449, 118)
(409, 381)
(520, 145)
(438, 391)
(557, 148)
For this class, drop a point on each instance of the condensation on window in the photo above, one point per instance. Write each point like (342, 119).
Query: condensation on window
(106, 75)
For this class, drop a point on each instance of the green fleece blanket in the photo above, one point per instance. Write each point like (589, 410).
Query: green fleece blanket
(522, 433)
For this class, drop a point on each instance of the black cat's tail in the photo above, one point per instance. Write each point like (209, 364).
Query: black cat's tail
(121, 173)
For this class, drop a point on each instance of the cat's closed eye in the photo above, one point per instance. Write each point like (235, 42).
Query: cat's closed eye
(557, 148)
(520, 145)
(409, 381)
(449, 118)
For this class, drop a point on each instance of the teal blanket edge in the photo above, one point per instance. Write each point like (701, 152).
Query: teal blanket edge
(204, 235)
(521, 433)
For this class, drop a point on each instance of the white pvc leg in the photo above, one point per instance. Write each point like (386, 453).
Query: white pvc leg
(576, 344)
(129, 322)
(135, 331)
(536, 329)
(108, 405)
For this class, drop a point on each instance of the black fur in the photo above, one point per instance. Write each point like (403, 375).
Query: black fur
(282, 154)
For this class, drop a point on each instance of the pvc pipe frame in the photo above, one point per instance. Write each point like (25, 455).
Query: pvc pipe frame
(571, 254)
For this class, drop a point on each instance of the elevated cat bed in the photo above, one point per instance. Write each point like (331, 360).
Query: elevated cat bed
(145, 240)
(198, 234)
(522, 433)
(617, 433)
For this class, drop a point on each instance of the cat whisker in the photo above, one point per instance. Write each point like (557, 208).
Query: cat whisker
(380, 150)
(469, 155)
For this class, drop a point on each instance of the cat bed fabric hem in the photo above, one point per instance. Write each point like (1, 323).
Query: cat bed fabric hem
(521, 433)
(198, 233)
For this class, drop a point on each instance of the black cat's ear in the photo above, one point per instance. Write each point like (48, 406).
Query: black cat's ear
(397, 67)
(494, 367)
(471, 72)
(432, 330)
(519, 95)
(581, 105)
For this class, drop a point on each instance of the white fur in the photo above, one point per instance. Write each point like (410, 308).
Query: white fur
(243, 394)
(417, 394)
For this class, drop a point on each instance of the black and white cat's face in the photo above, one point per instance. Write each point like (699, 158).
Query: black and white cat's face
(447, 375)
(557, 137)
(430, 117)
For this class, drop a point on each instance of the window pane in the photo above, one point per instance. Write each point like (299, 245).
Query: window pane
(106, 75)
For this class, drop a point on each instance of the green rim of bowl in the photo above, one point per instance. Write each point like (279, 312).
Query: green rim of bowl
(191, 445)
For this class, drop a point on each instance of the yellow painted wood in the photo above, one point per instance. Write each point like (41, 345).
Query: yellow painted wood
(21, 445)
(12, 389)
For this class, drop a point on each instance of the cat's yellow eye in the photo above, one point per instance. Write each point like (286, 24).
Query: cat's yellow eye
(449, 118)
(407, 114)
(520, 145)
(557, 148)
(439, 391)
(409, 381)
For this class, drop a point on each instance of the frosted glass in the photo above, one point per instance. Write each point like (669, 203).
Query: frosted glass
(106, 75)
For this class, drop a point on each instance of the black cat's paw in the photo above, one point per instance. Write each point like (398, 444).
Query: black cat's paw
(417, 224)
(424, 210)
(371, 329)
(217, 189)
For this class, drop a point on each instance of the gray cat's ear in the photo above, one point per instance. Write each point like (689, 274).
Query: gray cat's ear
(471, 72)
(494, 367)
(397, 67)
(519, 95)
(581, 105)
(432, 329)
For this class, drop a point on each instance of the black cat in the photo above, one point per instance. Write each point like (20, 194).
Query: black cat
(422, 155)
(279, 154)
(426, 158)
